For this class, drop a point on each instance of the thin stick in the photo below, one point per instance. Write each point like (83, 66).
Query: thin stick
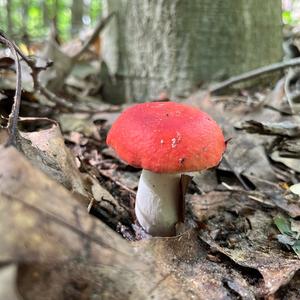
(36, 70)
(237, 175)
(12, 125)
(255, 73)
(117, 182)
(99, 27)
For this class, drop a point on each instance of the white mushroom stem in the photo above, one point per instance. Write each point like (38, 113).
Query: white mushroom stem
(157, 202)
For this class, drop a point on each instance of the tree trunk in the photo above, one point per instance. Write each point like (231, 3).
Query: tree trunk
(77, 14)
(9, 18)
(46, 11)
(174, 45)
(25, 7)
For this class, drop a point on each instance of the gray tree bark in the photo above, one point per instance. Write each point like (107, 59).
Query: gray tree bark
(46, 11)
(9, 18)
(25, 5)
(77, 14)
(174, 45)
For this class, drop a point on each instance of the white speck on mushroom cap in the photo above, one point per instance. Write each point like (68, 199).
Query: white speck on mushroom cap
(175, 140)
(173, 143)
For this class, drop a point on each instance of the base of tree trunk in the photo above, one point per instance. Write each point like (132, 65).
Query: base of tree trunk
(173, 46)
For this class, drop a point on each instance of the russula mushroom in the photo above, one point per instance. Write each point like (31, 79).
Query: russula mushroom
(165, 139)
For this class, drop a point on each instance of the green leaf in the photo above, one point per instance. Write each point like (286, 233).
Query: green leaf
(283, 225)
(289, 233)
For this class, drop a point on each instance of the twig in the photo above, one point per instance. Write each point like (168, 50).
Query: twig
(255, 73)
(99, 27)
(237, 175)
(292, 97)
(117, 182)
(35, 71)
(287, 82)
(12, 125)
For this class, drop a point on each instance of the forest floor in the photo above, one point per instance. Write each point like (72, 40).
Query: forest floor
(242, 231)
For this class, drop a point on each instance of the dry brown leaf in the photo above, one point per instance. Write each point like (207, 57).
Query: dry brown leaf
(189, 271)
(285, 128)
(292, 163)
(105, 206)
(32, 203)
(3, 136)
(240, 229)
(291, 291)
(207, 205)
(291, 205)
(46, 149)
(273, 193)
(55, 241)
(206, 180)
(78, 122)
(64, 253)
(55, 76)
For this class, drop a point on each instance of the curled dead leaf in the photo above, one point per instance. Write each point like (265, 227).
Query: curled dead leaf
(56, 242)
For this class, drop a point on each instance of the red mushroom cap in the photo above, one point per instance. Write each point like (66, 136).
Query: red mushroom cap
(167, 137)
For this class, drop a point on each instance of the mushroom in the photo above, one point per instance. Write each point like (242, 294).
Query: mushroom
(165, 139)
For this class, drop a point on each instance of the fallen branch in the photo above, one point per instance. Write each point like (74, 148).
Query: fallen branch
(12, 125)
(117, 182)
(255, 73)
(99, 27)
(237, 175)
(35, 70)
(288, 94)
(292, 93)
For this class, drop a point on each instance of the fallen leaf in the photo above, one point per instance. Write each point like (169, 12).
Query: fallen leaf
(292, 163)
(239, 228)
(288, 202)
(290, 291)
(46, 149)
(53, 78)
(206, 180)
(106, 207)
(283, 224)
(58, 246)
(295, 188)
(289, 147)
(290, 233)
(78, 122)
(285, 128)
(189, 272)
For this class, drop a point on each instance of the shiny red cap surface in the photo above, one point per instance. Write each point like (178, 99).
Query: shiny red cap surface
(167, 137)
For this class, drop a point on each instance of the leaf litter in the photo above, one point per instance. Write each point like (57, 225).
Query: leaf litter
(48, 233)
(233, 250)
